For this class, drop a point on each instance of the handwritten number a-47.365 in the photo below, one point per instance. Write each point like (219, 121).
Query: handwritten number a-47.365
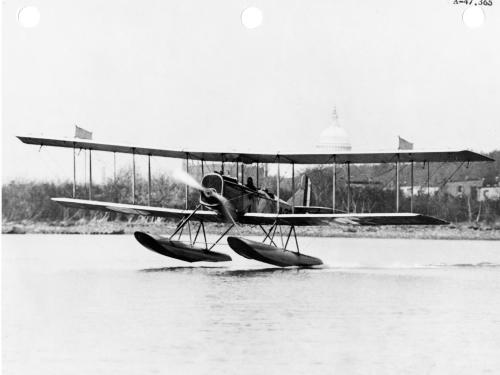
(474, 2)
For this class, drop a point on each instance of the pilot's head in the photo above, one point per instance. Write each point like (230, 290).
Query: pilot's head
(250, 181)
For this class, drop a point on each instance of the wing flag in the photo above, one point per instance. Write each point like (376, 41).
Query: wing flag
(404, 144)
(132, 209)
(82, 133)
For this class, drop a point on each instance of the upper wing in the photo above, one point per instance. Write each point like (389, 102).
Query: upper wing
(303, 158)
(356, 219)
(133, 209)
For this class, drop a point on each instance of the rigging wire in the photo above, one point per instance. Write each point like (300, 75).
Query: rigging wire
(437, 169)
(391, 179)
(451, 176)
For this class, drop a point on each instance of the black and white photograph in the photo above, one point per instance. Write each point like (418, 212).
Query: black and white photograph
(250, 187)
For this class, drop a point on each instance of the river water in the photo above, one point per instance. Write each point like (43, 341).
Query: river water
(74, 304)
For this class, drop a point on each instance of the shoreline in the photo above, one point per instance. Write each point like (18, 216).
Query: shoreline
(464, 231)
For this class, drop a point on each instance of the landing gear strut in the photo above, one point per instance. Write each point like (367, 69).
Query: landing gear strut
(271, 253)
(272, 231)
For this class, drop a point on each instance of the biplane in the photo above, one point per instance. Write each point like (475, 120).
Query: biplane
(228, 200)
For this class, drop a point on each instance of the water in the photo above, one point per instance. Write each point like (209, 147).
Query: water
(103, 304)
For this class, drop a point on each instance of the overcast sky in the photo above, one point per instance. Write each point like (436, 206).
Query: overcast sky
(188, 74)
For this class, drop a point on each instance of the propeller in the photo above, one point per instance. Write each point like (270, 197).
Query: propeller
(187, 179)
(226, 208)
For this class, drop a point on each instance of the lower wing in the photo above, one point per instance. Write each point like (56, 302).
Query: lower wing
(132, 209)
(355, 219)
(257, 218)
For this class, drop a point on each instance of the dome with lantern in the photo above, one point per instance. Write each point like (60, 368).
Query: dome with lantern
(334, 138)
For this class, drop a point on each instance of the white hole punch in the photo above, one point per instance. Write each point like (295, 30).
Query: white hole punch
(473, 17)
(251, 17)
(28, 16)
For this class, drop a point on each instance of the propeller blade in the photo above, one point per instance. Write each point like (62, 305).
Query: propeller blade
(227, 208)
(187, 179)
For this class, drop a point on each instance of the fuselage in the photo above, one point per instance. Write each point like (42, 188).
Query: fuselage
(243, 198)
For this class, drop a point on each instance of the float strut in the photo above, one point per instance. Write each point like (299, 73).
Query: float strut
(204, 235)
(197, 232)
(184, 221)
(296, 241)
(268, 234)
(222, 235)
(288, 237)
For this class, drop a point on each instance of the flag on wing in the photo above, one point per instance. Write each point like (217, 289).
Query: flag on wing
(82, 133)
(404, 144)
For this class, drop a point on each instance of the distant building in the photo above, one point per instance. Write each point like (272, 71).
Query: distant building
(490, 193)
(363, 183)
(468, 188)
(418, 190)
(463, 188)
(334, 138)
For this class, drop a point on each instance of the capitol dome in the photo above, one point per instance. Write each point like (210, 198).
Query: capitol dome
(334, 138)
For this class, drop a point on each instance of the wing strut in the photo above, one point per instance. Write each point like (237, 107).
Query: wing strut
(187, 187)
(257, 174)
(411, 189)
(334, 183)
(133, 176)
(348, 187)
(278, 189)
(397, 185)
(149, 180)
(293, 188)
(74, 172)
(90, 174)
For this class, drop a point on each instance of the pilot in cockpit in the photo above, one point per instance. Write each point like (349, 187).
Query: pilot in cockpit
(250, 184)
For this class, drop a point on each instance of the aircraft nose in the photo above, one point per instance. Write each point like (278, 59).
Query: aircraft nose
(209, 192)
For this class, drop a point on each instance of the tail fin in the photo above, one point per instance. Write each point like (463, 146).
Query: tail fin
(306, 186)
(302, 197)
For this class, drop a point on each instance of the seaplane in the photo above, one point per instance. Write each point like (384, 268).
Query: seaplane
(231, 201)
